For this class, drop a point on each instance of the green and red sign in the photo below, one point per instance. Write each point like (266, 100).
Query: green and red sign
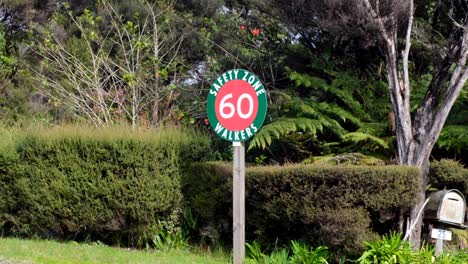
(237, 105)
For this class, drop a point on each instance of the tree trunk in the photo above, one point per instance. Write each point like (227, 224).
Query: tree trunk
(415, 140)
(416, 233)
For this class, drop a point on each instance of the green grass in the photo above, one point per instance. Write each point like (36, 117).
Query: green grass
(51, 252)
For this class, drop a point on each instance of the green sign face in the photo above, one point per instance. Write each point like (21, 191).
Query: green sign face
(237, 105)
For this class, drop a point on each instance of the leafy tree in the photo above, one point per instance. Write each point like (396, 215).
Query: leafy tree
(15, 85)
(108, 68)
(7, 61)
(393, 21)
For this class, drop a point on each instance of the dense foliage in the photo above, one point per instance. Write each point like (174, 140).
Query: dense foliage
(131, 187)
(114, 186)
(389, 249)
(392, 249)
(300, 253)
(150, 63)
(341, 206)
(449, 174)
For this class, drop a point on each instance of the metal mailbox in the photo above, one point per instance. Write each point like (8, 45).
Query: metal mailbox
(447, 206)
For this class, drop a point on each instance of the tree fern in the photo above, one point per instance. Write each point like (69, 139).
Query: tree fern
(299, 115)
(308, 81)
(344, 96)
(359, 137)
(285, 126)
(327, 109)
(340, 90)
(374, 128)
(339, 113)
(328, 114)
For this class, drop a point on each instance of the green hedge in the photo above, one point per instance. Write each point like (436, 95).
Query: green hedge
(119, 185)
(340, 206)
(449, 174)
(115, 185)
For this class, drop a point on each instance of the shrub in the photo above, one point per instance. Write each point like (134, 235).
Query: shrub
(303, 254)
(8, 158)
(114, 185)
(336, 205)
(207, 190)
(343, 228)
(459, 239)
(391, 249)
(300, 254)
(449, 174)
(455, 257)
(347, 159)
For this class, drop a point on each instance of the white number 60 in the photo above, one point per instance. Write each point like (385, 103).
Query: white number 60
(232, 110)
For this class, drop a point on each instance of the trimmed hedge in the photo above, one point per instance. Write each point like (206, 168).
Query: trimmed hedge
(115, 185)
(449, 174)
(124, 186)
(341, 206)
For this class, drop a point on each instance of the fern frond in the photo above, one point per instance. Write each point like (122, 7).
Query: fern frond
(359, 137)
(282, 127)
(375, 129)
(302, 107)
(309, 81)
(346, 98)
(340, 90)
(338, 112)
(327, 113)
(346, 81)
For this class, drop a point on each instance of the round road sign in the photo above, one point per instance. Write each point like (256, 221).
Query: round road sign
(237, 105)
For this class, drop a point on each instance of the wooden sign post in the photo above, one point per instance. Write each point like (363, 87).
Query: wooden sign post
(238, 202)
(236, 107)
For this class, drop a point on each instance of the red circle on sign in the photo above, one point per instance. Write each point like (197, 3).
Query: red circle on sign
(236, 105)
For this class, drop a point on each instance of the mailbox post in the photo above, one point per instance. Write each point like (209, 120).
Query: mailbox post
(445, 209)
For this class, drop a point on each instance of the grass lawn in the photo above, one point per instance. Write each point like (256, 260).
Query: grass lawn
(51, 252)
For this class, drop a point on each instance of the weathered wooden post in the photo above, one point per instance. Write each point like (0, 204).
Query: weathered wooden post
(236, 107)
(238, 202)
